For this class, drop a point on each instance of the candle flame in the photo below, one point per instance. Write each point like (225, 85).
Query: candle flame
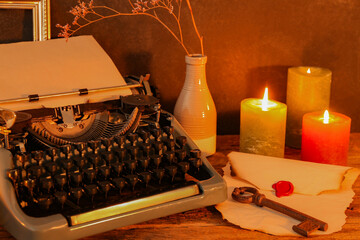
(308, 71)
(265, 101)
(326, 117)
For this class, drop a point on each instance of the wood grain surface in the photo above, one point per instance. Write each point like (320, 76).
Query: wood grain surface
(207, 223)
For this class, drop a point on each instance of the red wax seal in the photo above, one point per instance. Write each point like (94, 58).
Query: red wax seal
(283, 188)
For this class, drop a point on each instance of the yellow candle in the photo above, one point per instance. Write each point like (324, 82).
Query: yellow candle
(262, 128)
(308, 90)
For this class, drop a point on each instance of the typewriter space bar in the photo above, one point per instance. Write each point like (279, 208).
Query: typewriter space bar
(137, 204)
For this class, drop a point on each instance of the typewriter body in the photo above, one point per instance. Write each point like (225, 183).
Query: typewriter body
(74, 170)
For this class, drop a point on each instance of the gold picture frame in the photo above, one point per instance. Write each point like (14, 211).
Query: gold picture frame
(40, 15)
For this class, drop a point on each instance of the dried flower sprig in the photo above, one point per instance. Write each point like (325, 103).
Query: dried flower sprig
(87, 13)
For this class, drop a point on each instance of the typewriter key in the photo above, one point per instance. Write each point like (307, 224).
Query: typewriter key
(45, 201)
(104, 171)
(117, 168)
(66, 150)
(120, 140)
(144, 162)
(60, 181)
(145, 177)
(180, 154)
(79, 161)
(170, 144)
(36, 171)
(170, 156)
(61, 197)
(38, 155)
(195, 153)
(144, 135)
(90, 175)
(134, 151)
(133, 138)
(196, 162)
(159, 174)
(94, 145)
(76, 193)
(47, 184)
(119, 183)
(169, 130)
(76, 178)
(131, 165)
(29, 184)
(121, 153)
(156, 133)
(52, 152)
(81, 148)
(105, 187)
(51, 167)
(66, 164)
(156, 160)
(181, 141)
(146, 148)
(107, 143)
(132, 180)
(22, 158)
(159, 146)
(171, 171)
(184, 167)
(91, 190)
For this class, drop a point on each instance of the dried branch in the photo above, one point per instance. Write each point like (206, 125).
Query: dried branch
(138, 7)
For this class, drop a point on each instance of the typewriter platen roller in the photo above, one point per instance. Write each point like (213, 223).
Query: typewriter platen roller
(78, 170)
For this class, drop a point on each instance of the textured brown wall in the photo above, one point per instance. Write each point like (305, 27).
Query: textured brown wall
(249, 44)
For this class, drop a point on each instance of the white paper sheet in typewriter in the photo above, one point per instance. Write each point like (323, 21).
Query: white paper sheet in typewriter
(56, 66)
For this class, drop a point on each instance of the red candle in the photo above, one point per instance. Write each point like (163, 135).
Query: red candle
(325, 137)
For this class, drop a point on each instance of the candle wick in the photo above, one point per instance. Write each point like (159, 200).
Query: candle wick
(265, 101)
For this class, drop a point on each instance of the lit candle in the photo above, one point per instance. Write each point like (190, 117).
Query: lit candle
(325, 137)
(308, 90)
(262, 128)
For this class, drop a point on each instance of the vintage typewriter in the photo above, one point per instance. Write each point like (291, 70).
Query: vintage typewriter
(77, 170)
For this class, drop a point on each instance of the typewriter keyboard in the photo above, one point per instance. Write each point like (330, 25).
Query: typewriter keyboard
(83, 181)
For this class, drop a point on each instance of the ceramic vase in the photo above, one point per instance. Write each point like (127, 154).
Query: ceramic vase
(195, 108)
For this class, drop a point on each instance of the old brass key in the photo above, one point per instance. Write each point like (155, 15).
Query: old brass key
(305, 228)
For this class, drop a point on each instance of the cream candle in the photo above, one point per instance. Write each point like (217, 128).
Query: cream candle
(308, 90)
(262, 128)
(325, 137)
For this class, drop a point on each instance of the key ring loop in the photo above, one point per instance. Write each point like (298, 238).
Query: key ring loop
(238, 194)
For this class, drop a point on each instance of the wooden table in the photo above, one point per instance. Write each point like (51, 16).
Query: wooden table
(207, 223)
